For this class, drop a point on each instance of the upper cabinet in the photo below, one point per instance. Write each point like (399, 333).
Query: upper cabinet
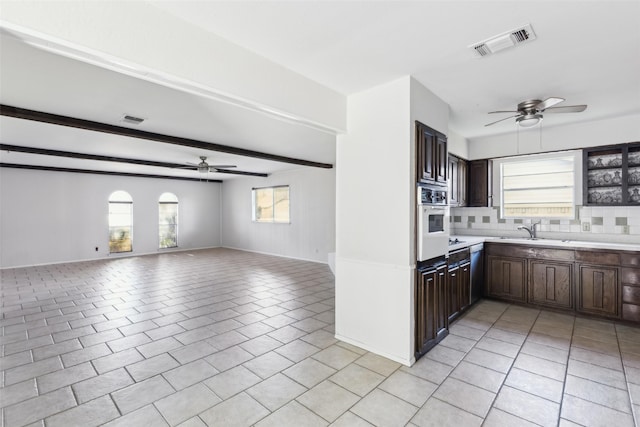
(432, 155)
(458, 181)
(612, 175)
(480, 190)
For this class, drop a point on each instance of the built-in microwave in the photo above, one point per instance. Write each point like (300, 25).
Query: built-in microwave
(432, 223)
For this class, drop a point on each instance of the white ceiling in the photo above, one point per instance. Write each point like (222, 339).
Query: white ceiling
(586, 51)
(77, 89)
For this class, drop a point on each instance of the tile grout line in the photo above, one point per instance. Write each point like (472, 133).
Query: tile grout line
(510, 368)
(454, 367)
(566, 371)
(634, 417)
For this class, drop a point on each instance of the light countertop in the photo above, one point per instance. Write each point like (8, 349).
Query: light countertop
(466, 241)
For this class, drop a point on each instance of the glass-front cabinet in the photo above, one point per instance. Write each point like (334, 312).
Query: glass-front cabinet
(612, 175)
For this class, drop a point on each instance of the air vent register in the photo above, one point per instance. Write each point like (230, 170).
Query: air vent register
(504, 41)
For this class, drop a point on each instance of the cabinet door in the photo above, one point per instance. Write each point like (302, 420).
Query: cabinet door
(479, 190)
(426, 153)
(454, 293)
(464, 278)
(440, 166)
(463, 182)
(598, 290)
(506, 277)
(432, 155)
(431, 309)
(550, 283)
(454, 183)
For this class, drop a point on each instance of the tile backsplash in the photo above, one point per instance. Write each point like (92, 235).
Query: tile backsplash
(612, 224)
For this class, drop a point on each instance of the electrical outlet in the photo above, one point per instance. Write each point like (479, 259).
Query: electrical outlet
(586, 226)
(625, 229)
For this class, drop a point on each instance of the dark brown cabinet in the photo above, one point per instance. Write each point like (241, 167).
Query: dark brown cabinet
(630, 279)
(506, 271)
(603, 283)
(598, 290)
(612, 175)
(431, 151)
(457, 171)
(551, 283)
(480, 179)
(506, 277)
(459, 276)
(431, 308)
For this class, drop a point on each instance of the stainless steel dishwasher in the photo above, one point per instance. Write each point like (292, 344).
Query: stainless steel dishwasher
(477, 272)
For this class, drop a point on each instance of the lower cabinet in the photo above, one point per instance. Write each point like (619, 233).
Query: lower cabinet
(630, 278)
(432, 320)
(598, 290)
(551, 283)
(603, 283)
(459, 289)
(506, 277)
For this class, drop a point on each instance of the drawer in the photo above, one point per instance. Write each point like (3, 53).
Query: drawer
(459, 256)
(630, 276)
(598, 257)
(631, 259)
(631, 294)
(631, 312)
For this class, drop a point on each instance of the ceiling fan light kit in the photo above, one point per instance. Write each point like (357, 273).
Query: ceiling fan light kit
(529, 120)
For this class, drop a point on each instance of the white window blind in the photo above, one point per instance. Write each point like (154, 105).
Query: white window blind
(538, 188)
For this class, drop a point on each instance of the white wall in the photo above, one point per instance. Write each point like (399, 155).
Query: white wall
(550, 138)
(48, 217)
(374, 215)
(457, 145)
(311, 233)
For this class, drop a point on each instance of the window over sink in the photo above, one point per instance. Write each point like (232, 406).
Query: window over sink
(539, 186)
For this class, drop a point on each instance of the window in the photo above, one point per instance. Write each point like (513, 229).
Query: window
(271, 204)
(168, 220)
(538, 186)
(120, 222)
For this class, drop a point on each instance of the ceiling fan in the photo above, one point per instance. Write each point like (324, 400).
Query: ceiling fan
(204, 167)
(529, 113)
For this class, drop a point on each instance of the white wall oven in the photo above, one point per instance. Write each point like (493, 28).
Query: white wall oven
(433, 222)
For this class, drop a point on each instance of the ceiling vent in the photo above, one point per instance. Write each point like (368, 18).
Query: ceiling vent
(504, 41)
(132, 120)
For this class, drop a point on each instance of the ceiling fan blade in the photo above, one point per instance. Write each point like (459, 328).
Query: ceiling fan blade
(501, 120)
(549, 102)
(493, 112)
(567, 109)
(222, 166)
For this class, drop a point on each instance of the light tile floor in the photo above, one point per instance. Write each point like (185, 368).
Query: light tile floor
(228, 338)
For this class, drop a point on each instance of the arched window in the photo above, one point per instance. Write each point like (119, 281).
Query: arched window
(120, 222)
(168, 220)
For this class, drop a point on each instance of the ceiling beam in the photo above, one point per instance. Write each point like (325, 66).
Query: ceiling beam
(98, 172)
(75, 155)
(55, 119)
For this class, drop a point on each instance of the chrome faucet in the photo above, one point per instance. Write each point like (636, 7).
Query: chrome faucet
(532, 231)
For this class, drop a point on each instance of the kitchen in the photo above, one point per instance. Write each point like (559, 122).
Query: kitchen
(373, 241)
